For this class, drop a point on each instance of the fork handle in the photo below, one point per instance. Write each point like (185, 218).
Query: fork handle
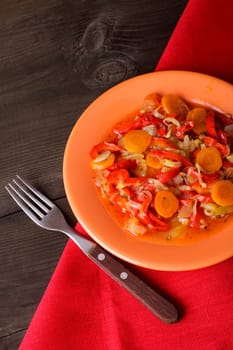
(157, 304)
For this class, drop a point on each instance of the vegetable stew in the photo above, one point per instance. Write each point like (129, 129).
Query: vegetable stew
(171, 164)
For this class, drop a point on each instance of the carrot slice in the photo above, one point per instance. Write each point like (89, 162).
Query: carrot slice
(174, 104)
(153, 161)
(209, 159)
(166, 204)
(198, 117)
(103, 164)
(150, 102)
(136, 141)
(222, 192)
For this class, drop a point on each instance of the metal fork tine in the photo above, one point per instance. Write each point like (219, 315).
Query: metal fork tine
(26, 201)
(21, 203)
(30, 195)
(39, 194)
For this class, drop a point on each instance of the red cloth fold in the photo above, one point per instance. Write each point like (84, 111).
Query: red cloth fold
(83, 308)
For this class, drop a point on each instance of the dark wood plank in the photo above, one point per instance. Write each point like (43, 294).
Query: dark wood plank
(12, 341)
(56, 57)
(26, 267)
(51, 68)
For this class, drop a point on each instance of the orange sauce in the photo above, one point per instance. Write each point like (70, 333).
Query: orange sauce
(178, 234)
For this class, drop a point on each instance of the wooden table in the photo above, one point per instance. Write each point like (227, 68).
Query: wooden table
(55, 58)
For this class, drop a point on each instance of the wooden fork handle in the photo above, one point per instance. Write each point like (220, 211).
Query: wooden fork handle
(156, 303)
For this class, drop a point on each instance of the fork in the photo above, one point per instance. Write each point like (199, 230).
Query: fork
(46, 214)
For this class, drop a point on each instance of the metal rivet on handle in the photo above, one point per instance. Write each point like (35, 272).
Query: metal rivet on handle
(123, 275)
(101, 256)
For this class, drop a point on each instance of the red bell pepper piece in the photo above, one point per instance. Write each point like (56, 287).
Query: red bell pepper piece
(226, 164)
(222, 135)
(165, 176)
(187, 126)
(210, 124)
(172, 156)
(160, 127)
(118, 176)
(195, 220)
(124, 164)
(160, 142)
(157, 222)
(210, 178)
(104, 146)
(162, 131)
(203, 198)
(145, 199)
(121, 176)
(186, 202)
(187, 196)
(226, 120)
(151, 220)
(211, 142)
(126, 126)
(135, 181)
(120, 201)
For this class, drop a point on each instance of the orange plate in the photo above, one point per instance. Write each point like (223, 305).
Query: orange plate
(93, 126)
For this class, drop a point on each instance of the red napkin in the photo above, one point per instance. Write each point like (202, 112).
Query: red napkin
(83, 308)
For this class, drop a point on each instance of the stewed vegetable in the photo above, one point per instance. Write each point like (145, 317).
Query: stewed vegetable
(171, 163)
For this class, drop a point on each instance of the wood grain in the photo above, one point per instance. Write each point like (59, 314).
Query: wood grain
(56, 57)
(25, 268)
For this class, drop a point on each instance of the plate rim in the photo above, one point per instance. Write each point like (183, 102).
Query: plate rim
(89, 228)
